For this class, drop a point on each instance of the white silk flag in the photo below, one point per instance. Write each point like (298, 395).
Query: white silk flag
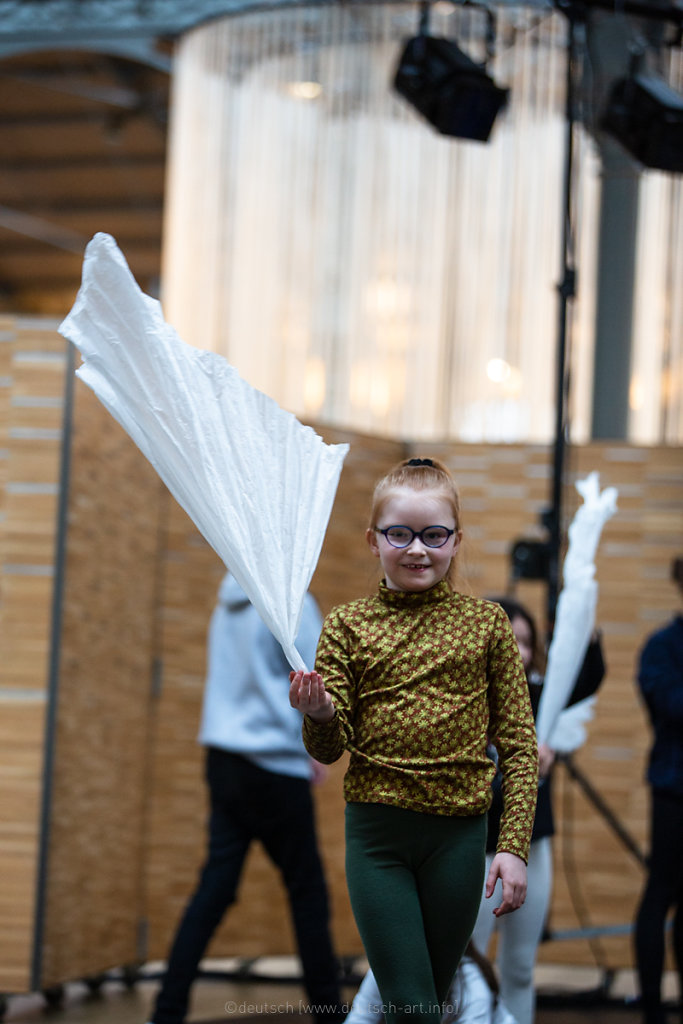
(575, 615)
(258, 484)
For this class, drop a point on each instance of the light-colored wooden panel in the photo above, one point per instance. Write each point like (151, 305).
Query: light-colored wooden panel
(30, 352)
(25, 614)
(93, 902)
(21, 774)
(34, 459)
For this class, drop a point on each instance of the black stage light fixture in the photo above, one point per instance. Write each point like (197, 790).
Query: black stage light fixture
(530, 560)
(645, 115)
(453, 93)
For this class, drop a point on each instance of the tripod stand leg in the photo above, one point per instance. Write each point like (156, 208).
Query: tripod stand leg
(606, 812)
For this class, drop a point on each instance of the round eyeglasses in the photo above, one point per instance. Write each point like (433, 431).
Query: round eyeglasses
(403, 536)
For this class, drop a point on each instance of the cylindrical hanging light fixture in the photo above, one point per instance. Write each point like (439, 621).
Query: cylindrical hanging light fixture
(334, 247)
(350, 261)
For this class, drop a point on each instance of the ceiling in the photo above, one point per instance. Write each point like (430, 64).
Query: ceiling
(82, 149)
(84, 89)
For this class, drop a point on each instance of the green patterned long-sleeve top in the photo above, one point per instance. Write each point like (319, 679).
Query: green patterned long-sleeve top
(420, 682)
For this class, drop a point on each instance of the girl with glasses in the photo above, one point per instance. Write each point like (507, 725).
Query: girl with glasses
(410, 681)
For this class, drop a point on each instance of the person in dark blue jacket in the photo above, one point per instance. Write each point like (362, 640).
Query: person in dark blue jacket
(660, 678)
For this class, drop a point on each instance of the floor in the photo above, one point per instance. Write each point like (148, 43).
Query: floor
(566, 996)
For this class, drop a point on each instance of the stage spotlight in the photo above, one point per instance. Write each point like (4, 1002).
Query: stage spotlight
(645, 115)
(530, 560)
(453, 93)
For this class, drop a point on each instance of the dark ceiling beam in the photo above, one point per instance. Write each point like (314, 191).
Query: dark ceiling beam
(143, 51)
(105, 207)
(40, 282)
(31, 225)
(9, 291)
(73, 85)
(63, 120)
(16, 247)
(123, 162)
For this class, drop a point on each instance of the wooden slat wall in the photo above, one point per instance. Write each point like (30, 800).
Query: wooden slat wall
(32, 368)
(97, 782)
(94, 894)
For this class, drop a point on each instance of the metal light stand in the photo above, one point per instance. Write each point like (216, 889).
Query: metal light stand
(552, 519)
(566, 291)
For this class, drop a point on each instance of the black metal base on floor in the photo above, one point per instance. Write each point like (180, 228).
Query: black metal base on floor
(598, 998)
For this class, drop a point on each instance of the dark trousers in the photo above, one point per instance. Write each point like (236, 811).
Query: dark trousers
(415, 883)
(248, 803)
(663, 890)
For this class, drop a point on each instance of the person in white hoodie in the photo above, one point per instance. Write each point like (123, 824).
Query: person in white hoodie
(259, 779)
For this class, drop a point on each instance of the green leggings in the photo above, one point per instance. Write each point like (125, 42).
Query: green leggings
(415, 883)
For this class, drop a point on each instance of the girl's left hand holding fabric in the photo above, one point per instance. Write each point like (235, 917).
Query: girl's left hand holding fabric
(308, 695)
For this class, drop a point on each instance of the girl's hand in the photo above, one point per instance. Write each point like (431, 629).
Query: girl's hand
(511, 870)
(319, 773)
(546, 759)
(308, 695)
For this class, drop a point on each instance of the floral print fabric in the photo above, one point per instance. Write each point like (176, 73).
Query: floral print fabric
(419, 682)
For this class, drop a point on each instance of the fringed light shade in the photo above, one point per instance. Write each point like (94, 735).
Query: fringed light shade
(354, 264)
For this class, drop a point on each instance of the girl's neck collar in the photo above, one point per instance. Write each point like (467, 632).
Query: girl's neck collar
(440, 592)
